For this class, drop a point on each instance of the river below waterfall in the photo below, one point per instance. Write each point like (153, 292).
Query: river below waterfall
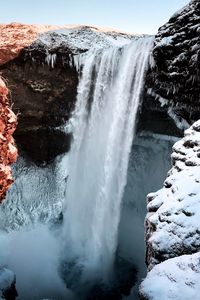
(74, 229)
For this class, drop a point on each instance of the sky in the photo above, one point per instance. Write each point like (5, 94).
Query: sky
(139, 16)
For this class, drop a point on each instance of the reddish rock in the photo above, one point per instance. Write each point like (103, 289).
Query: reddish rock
(8, 151)
(15, 37)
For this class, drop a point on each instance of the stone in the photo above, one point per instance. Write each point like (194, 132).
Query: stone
(8, 151)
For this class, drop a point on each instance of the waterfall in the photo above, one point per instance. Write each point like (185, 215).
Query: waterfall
(103, 126)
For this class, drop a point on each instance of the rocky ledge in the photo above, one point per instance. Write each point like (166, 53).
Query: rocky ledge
(8, 151)
(173, 81)
(172, 226)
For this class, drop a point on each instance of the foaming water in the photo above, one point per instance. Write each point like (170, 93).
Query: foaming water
(103, 126)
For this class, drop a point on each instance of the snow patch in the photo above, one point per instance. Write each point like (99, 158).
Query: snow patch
(174, 279)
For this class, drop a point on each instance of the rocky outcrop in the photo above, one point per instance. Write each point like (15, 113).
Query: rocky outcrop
(172, 226)
(172, 222)
(8, 151)
(43, 96)
(40, 64)
(175, 279)
(173, 81)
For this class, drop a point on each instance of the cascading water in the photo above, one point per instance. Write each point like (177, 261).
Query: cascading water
(103, 126)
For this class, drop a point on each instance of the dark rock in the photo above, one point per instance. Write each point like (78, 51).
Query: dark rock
(44, 97)
(175, 72)
(42, 145)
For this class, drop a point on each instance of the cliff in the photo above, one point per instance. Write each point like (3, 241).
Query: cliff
(8, 151)
(40, 64)
(173, 81)
(172, 225)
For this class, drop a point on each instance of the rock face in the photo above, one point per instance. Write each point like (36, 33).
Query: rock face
(8, 151)
(44, 98)
(174, 76)
(172, 222)
(40, 64)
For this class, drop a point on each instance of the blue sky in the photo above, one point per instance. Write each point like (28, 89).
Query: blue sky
(141, 16)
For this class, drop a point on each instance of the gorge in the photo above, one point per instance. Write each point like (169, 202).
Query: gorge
(98, 113)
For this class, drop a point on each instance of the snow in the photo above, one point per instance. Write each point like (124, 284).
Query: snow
(172, 226)
(165, 41)
(177, 279)
(77, 40)
(83, 38)
(173, 210)
(176, 220)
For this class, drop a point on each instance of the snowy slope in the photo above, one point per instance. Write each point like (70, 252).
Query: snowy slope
(82, 38)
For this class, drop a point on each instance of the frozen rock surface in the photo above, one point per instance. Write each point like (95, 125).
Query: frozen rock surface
(172, 222)
(175, 279)
(172, 226)
(174, 77)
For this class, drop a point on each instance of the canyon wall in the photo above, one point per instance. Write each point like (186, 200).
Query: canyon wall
(43, 93)
(8, 151)
(8, 155)
(40, 64)
(173, 81)
(172, 223)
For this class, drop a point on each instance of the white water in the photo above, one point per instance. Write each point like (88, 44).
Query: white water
(103, 126)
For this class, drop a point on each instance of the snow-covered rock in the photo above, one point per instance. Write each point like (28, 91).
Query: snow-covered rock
(175, 279)
(175, 72)
(172, 226)
(172, 223)
(82, 38)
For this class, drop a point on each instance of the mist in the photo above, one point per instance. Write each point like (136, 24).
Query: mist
(33, 254)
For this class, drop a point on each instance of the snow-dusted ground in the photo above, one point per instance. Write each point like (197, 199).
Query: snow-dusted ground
(175, 279)
(172, 225)
(82, 38)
